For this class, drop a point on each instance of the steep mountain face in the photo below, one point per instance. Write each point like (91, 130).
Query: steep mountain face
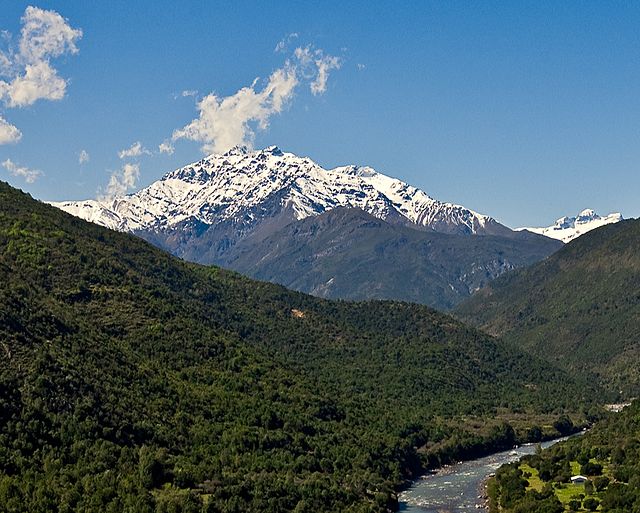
(349, 254)
(233, 209)
(580, 308)
(243, 188)
(568, 228)
(133, 381)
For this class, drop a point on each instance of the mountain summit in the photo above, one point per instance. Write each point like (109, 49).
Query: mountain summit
(245, 186)
(348, 232)
(568, 228)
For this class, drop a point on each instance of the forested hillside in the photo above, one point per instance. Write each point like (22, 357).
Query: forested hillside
(579, 308)
(132, 381)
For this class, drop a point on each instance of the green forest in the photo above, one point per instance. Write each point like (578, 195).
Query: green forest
(608, 456)
(579, 308)
(131, 381)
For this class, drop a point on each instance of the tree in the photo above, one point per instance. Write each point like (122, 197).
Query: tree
(563, 425)
(591, 504)
(601, 482)
(575, 505)
(588, 487)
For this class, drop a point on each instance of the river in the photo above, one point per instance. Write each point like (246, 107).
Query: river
(455, 489)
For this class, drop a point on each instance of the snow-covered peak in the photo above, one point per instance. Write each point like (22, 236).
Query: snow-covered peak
(568, 228)
(587, 215)
(239, 182)
(236, 150)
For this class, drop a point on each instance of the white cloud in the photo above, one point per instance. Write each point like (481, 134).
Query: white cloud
(39, 81)
(5, 64)
(304, 56)
(224, 122)
(315, 65)
(284, 42)
(136, 150)
(29, 175)
(8, 133)
(83, 157)
(360, 66)
(325, 64)
(166, 147)
(45, 35)
(121, 181)
(189, 92)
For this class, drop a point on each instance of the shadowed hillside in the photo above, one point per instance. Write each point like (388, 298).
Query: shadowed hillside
(579, 309)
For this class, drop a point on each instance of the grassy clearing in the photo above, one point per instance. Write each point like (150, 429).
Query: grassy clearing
(535, 483)
(566, 492)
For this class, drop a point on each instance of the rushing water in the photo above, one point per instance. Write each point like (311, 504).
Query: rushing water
(457, 488)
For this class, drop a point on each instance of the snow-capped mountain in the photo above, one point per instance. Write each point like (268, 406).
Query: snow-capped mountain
(238, 184)
(568, 228)
(347, 232)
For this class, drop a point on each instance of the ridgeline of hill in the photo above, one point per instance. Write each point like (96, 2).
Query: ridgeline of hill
(131, 381)
(579, 308)
(347, 253)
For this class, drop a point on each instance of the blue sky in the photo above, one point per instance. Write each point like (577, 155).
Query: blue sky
(526, 111)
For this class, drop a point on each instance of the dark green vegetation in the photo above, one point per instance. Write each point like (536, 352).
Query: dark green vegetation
(580, 308)
(132, 381)
(609, 456)
(349, 254)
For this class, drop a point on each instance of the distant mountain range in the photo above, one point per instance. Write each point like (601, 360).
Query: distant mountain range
(268, 214)
(244, 187)
(349, 254)
(568, 228)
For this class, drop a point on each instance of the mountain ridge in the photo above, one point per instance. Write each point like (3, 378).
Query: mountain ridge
(579, 308)
(221, 186)
(568, 228)
(349, 254)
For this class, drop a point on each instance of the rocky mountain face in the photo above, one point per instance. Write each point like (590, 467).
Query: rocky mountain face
(568, 228)
(349, 254)
(233, 209)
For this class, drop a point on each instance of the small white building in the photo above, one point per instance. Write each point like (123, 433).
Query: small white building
(579, 479)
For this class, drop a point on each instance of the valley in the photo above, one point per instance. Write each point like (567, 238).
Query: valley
(379, 316)
(204, 389)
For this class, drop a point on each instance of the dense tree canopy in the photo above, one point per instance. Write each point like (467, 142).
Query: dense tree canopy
(132, 381)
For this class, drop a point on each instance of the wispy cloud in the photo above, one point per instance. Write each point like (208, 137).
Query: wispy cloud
(135, 150)
(224, 122)
(325, 64)
(121, 181)
(29, 175)
(284, 42)
(188, 92)
(315, 65)
(27, 68)
(8, 133)
(360, 66)
(166, 147)
(83, 157)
